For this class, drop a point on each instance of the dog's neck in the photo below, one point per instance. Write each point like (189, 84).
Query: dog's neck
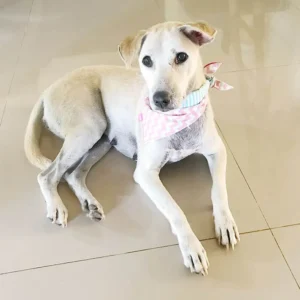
(197, 96)
(199, 78)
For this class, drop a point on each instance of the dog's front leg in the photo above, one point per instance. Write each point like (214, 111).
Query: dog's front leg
(225, 226)
(147, 175)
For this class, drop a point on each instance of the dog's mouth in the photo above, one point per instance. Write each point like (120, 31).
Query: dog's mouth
(166, 109)
(161, 109)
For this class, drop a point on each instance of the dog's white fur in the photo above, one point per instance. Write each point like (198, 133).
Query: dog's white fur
(94, 108)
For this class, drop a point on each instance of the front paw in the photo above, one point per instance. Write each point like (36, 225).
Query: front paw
(194, 255)
(226, 230)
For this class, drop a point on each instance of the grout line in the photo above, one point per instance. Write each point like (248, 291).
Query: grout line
(17, 62)
(120, 254)
(284, 226)
(87, 259)
(260, 208)
(124, 253)
(285, 259)
(254, 231)
(113, 255)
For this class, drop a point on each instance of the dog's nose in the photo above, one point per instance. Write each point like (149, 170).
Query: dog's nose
(161, 99)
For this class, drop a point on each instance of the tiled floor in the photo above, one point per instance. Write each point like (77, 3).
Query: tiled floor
(132, 254)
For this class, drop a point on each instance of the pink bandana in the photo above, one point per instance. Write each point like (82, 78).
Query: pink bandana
(157, 125)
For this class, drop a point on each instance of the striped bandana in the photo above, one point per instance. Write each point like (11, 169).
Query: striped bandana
(157, 125)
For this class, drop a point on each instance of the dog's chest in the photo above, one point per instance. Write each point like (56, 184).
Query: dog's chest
(186, 142)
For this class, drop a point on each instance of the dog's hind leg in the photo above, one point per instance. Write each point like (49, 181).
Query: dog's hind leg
(75, 146)
(76, 178)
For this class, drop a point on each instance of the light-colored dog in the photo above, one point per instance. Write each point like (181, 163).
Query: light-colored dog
(95, 108)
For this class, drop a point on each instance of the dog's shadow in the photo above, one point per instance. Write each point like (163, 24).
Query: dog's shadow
(189, 183)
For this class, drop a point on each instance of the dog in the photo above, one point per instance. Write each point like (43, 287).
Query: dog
(95, 108)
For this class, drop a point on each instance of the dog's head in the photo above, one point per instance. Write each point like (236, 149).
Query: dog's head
(169, 60)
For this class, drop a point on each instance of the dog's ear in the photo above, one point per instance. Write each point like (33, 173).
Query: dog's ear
(131, 46)
(199, 32)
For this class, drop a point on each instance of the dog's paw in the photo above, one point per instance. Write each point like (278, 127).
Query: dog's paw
(226, 230)
(93, 209)
(194, 255)
(58, 214)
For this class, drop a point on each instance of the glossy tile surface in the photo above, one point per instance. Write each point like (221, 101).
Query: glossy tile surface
(259, 120)
(251, 34)
(288, 239)
(156, 274)
(13, 25)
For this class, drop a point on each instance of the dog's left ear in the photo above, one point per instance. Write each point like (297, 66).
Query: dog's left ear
(199, 32)
(130, 47)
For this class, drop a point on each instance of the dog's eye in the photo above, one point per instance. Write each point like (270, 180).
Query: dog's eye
(181, 57)
(147, 61)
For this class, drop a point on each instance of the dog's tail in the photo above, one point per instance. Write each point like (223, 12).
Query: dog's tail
(32, 137)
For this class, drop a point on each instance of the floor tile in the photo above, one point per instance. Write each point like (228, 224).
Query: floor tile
(250, 33)
(87, 34)
(256, 270)
(132, 222)
(13, 21)
(288, 239)
(259, 119)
